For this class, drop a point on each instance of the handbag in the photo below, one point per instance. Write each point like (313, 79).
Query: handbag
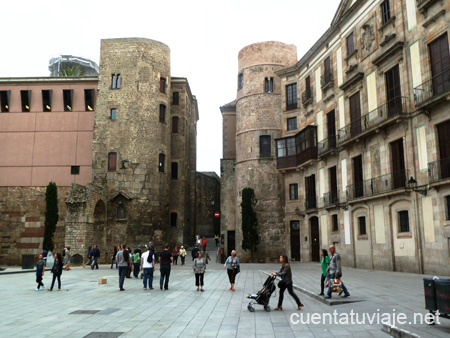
(336, 285)
(237, 269)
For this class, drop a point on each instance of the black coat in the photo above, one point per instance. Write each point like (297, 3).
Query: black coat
(57, 267)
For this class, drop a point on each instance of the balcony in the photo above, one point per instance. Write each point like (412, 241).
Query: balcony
(378, 118)
(439, 170)
(423, 5)
(433, 91)
(311, 203)
(307, 97)
(298, 150)
(326, 80)
(378, 185)
(326, 146)
(292, 105)
(331, 198)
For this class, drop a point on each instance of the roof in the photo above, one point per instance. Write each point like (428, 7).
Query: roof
(49, 79)
(230, 106)
(211, 174)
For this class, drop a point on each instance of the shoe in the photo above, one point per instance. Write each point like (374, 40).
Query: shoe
(58, 290)
(166, 289)
(345, 296)
(122, 289)
(327, 297)
(151, 288)
(37, 289)
(202, 290)
(300, 307)
(49, 290)
(145, 288)
(160, 286)
(198, 289)
(278, 308)
(321, 294)
(43, 287)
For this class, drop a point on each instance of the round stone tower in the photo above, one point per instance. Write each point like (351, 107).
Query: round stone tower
(258, 124)
(131, 148)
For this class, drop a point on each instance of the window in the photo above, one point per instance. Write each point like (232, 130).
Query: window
(403, 220)
(116, 81)
(291, 96)
(112, 161)
(119, 81)
(350, 45)
(281, 148)
(25, 96)
(175, 124)
(264, 146)
(174, 170)
(385, 11)
(121, 211)
(89, 99)
(162, 84)
(292, 123)
(447, 205)
(327, 77)
(334, 222)
(173, 219)
(67, 99)
(271, 88)
(240, 81)
(162, 160)
(113, 81)
(162, 113)
(47, 100)
(362, 225)
(293, 191)
(268, 85)
(113, 113)
(4, 100)
(176, 98)
(75, 170)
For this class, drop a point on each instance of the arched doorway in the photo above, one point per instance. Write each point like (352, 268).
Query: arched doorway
(315, 244)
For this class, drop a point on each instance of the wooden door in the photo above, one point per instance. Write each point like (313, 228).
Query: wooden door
(315, 245)
(333, 185)
(295, 240)
(444, 149)
(355, 114)
(440, 64)
(358, 176)
(393, 91)
(331, 129)
(398, 165)
(310, 189)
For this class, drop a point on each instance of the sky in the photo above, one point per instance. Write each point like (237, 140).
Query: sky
(204, 36)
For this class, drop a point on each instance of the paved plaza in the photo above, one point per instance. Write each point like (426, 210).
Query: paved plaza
(218, 312)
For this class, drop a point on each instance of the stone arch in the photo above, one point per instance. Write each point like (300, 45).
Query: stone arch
(362, 241)
(100, 211)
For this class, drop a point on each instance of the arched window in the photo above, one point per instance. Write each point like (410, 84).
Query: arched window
(173, 219)
(119, 81)
(121, 211)
(162, 113)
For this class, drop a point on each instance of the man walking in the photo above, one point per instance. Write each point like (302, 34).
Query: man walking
(216, 238)
(334, 271)
(182, 254)
(165, 259)
(148, 266)
(123, 259)
(40, 269)
(95, 255)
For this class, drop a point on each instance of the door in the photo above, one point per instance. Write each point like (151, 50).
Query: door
(331, 130)
(333, 185)
(315, 245)
(358, 176)
(310, 189)
(398, 164)
(295, 240)
(393, 91)
(231, 241)
(440, 64)
(355, 115)
(444, 149)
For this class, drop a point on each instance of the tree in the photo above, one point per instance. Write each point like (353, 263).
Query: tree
(249, 221)
(51, 215)
(71, 71)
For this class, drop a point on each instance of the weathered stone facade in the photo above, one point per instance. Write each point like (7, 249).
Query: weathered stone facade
(207, 197)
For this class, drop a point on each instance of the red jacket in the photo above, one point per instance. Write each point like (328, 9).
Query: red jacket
(204, 242)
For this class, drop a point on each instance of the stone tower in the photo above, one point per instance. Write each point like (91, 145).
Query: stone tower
(258, 119)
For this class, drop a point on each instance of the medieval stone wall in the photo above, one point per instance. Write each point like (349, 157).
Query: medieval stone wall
(207, 198)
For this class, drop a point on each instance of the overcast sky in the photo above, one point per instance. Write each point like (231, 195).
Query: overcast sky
(204, 38)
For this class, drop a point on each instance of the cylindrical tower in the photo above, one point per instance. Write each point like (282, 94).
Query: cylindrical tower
(132, 138)
(258, 123)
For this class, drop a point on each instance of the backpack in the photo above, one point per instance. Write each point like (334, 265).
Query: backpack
(64, 253)
(150, 257)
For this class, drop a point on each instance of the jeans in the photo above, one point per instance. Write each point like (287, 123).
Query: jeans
(113, 260)
(165, 273)
(39, 281)
(55, 275)
(199, 279)
(94, 264)
(283, 286)
(182, 259)
(148, 273)
(89, 261)
(175, 260)
(137, 266)
(122, 273)
(332, 276)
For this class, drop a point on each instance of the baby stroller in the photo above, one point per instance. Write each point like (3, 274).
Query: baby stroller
(263, 295)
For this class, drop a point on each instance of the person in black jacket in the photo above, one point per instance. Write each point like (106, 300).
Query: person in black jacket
(195, 251)
(57, 271)
(95, 255)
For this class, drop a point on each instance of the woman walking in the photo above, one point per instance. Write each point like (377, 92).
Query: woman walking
(89, 257)
(286, 283)
(136, 262)
(175, 253)
(124, 261)
(324, 262)
(199, 270)
(182, 254)
(232, 264)
(57, 270)
(113, 259)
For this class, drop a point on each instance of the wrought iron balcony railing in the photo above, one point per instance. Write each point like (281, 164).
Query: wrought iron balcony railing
(307, 96)
(437, 85)
(311, 203)
(326, 78)
(378, 185)
(439, 170)
(331, 198)
(326, 145)
(373, 119)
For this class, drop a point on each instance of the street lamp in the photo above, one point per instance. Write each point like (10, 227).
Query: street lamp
(413, 184)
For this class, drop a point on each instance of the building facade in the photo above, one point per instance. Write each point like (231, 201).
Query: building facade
(363, 149)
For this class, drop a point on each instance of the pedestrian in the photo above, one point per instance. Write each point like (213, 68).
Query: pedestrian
(232, 264)
(67, 258)
(40, 269)
(175, 253)
(216, 238)
(165, 259)
(136, 263)
(95, 256)
(334, 271)
(89, 257)
(124, 261)
(57, 270)
(324, 262)
(199, 267)
(130, 267)
(148, 266)
(113, 258)
(182, 254)
(198, 240)
(44, 254)
(204, 244)
(286, 283)
(195, 251)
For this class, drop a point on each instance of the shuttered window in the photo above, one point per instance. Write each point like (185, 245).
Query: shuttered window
(112, 161)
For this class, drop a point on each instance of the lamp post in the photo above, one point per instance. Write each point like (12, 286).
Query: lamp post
(413, 184)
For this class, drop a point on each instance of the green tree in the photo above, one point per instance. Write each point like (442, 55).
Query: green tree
(71, 71)
(51, 215)
(249, 221)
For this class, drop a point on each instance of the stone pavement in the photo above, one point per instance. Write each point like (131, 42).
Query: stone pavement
(217, 312)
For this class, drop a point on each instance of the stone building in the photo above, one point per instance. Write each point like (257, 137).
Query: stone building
(126, 171)
(364, 150)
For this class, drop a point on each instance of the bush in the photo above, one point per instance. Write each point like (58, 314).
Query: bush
(51, 215)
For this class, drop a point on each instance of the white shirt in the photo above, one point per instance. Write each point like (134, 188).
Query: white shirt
(146, 264)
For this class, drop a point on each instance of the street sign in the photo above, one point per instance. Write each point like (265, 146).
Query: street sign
(217, 214)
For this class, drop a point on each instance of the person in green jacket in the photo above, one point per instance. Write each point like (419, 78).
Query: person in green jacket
(324, 262)
(136, 259)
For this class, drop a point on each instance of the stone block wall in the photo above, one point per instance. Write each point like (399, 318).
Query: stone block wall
(207, 192)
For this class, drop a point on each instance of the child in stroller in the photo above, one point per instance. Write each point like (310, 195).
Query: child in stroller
(263, 295)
